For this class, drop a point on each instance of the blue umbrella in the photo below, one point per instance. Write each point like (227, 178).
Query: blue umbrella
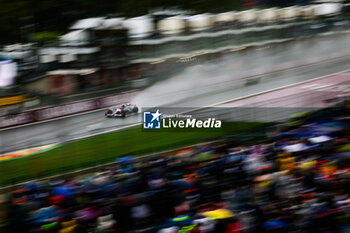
(127, 159)
(62, 190)
(275, 224)
(32, 186)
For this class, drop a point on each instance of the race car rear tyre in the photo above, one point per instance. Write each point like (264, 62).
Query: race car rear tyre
(108, 112)
(123, 114)
(135, 110)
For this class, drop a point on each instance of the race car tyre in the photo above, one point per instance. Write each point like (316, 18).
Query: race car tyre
(135, 110)
(123, 114)
(108, 112)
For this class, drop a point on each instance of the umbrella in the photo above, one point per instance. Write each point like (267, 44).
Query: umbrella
(31, 186)
(295, 148)
(127, 159)
(275, 224)
(309, 164)
(62, 190)
(219, 214)
(320, 139)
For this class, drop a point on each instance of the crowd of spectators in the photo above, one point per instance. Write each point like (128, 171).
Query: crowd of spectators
(296, 181)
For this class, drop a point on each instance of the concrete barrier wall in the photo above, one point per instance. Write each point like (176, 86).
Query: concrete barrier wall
(64, 110)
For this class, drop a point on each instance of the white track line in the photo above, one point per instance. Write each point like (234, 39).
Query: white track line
(278, 88)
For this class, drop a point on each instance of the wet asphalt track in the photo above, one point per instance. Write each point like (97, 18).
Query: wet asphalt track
(84, 125)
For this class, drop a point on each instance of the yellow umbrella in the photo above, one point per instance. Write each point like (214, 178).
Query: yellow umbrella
(307, 165)
(219, 214)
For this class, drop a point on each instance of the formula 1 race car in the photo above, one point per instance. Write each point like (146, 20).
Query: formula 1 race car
(121, 111)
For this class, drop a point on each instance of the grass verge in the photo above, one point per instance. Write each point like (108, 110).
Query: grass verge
(106, 148)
